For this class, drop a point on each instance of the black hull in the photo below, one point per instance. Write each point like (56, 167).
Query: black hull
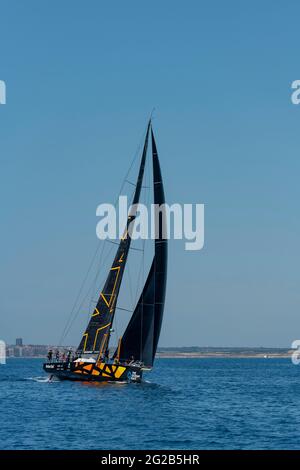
(88, 372)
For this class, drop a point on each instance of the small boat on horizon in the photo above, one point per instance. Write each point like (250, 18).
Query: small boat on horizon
(137, 347)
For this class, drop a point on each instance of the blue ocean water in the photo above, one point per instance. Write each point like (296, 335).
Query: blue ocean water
(185, 404)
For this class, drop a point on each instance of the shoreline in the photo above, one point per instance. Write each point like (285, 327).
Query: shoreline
(198, 356)
(223, 356)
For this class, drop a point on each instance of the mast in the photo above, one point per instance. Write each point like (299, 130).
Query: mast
(96, 336)
(142, 333)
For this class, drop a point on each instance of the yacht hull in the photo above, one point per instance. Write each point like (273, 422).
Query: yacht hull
(94, 372)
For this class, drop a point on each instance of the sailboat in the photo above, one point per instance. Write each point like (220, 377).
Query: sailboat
(136, 349)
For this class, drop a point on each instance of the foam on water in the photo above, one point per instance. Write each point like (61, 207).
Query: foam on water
(42, 379)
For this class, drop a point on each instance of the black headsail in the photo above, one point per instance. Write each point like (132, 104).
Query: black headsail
(96, 337)
(142, 333)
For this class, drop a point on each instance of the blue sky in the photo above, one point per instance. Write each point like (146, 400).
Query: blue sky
(81, 81)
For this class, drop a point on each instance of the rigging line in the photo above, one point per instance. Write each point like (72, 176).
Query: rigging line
(86, 276)
(98, 245)
(90, 291)
(128, 266)
(133, 248)
(142, 306)
(143, 264)
(93, 287)
(69, 320)
(139, 279)
(96, 278)
(124, 309)
(152, 112)
(75, 315)
(128, 271)
(137, 152)
(117, 243)
(83, 300)
(134, 184)
(130, 284)
(130, 182)
(98, 272)
(141, 267)
(116, 332)
(100, 263)
(79, 294)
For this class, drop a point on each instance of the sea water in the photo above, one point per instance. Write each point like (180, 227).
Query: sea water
(183, 404)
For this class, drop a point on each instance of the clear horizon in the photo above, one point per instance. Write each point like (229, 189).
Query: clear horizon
(165, 347)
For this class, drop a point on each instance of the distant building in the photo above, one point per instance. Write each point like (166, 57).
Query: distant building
(18, 351)
(32, 350)
(10, 351)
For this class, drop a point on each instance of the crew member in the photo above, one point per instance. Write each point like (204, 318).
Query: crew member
(106, 356)
(69, 355)
(50, 355)
(57, 355)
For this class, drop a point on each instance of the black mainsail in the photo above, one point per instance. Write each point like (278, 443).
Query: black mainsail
(96, 337)
(141, 336)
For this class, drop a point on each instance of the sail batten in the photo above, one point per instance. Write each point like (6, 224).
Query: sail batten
(96, 337)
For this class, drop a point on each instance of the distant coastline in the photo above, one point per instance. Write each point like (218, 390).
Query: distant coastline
(224, 352)
(40, 351)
